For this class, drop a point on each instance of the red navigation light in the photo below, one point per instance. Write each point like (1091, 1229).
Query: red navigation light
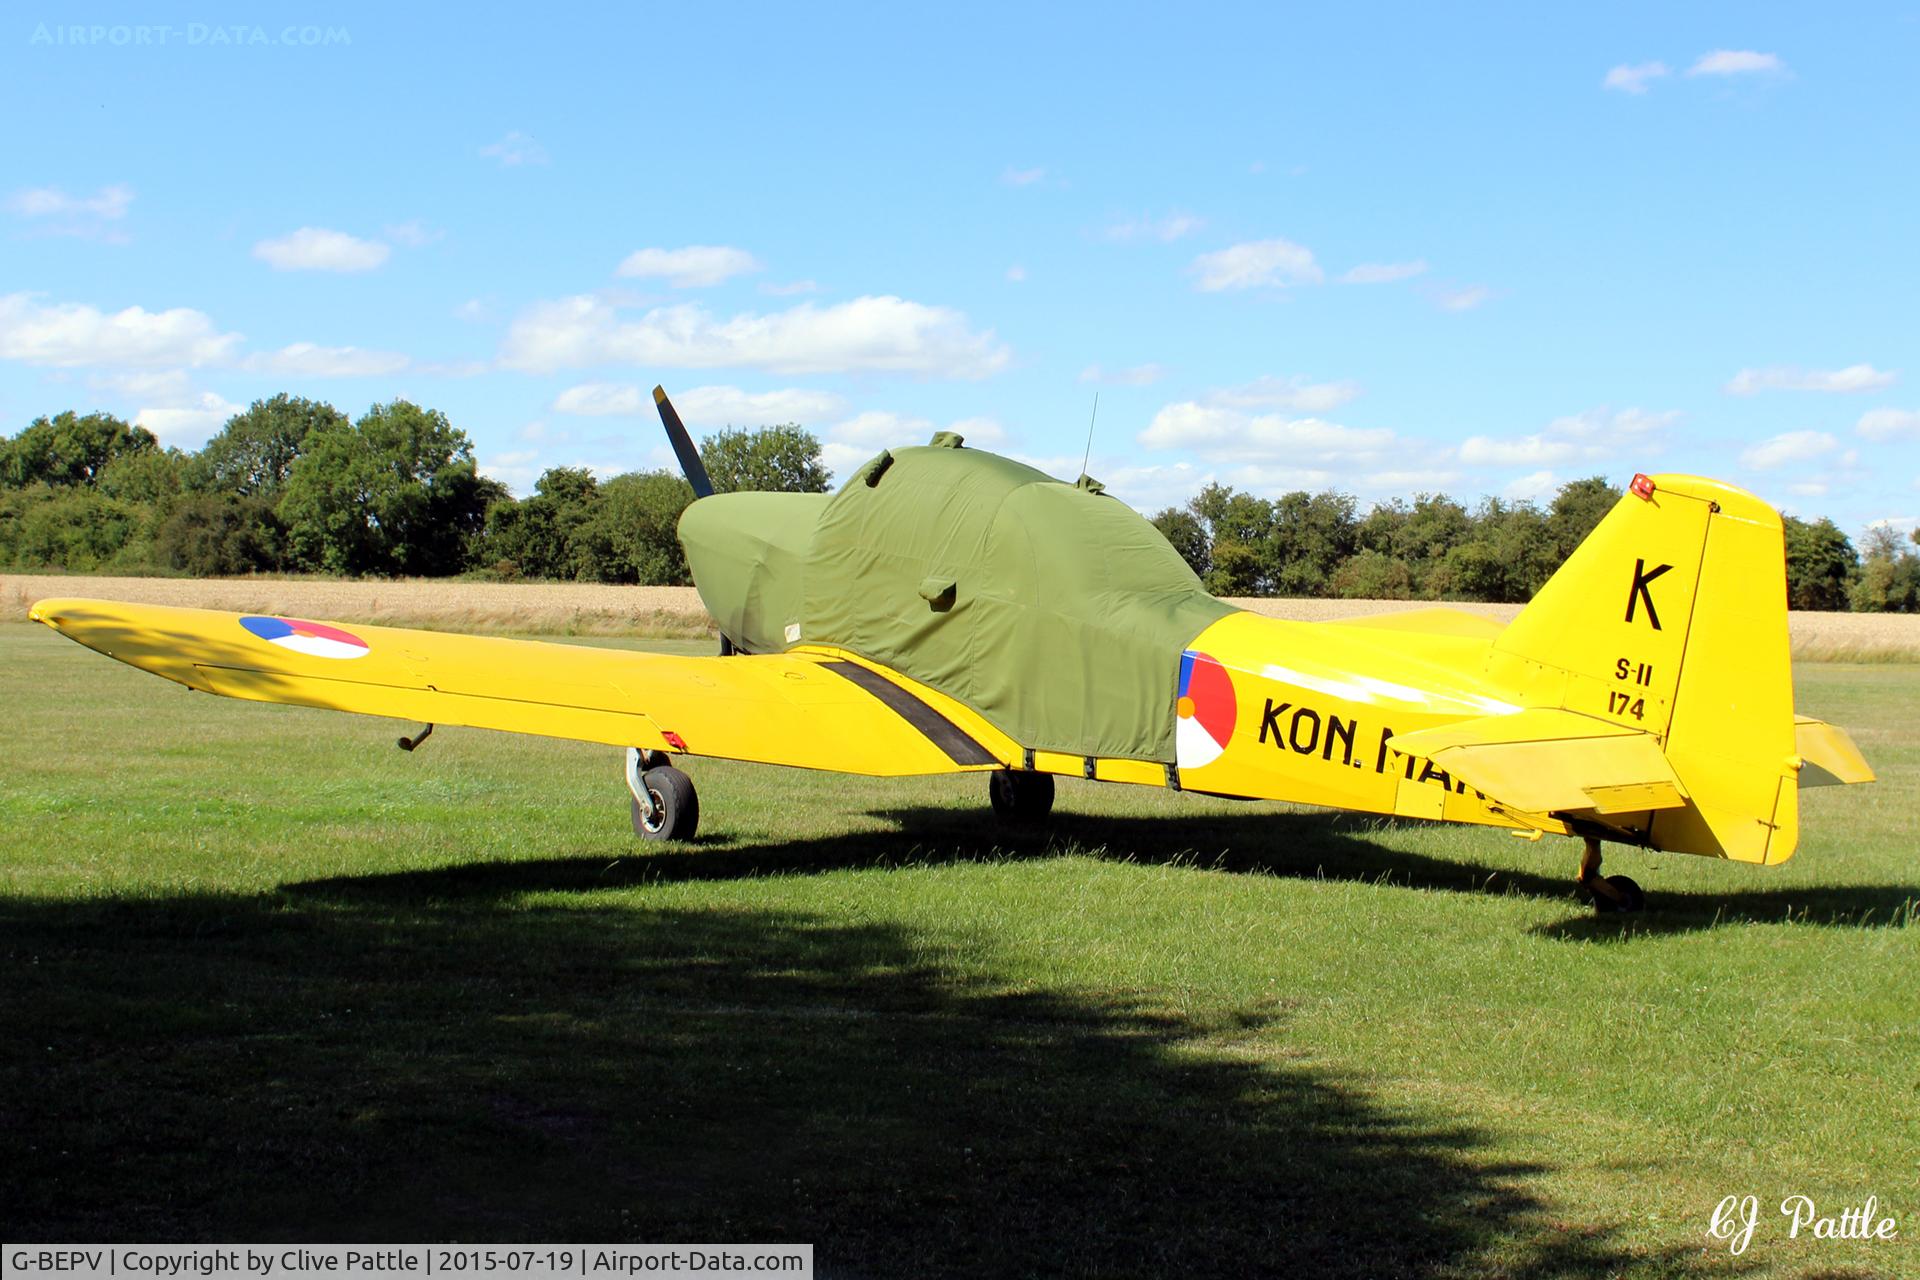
(1642, 487)
(674, 740)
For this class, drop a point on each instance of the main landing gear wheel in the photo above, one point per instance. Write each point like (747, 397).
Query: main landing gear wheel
(1610, 894)
(663, 801)
(1020, 797)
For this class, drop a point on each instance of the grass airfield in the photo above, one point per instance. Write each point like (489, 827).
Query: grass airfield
(267, 977)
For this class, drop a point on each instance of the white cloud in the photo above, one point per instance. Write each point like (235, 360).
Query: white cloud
(1230, 434)
(978, 431)
(1424, 480)
(160, 386)
(1890, 424)
(1384, 272)
(309, 360)
(1295, 393)
(72, 334)
(516, 148)
(1147, 227)
(790, 288)
(716, 406)
(1017, 274)
(694, 267)
(1790, 446)
(870, 334)
(1733, 62)
(876, 429)
(1271, 264)
(517, 469)
(601, 399)
(1855, 377)
(723, 406)
(839, 457)
(318, 249)
(188, 425)
(1633, 78)
(1535, 486)
(847, 444)
(472, 310)
(1602, 424)
(451, 368)
(1140, 375)
(108, 203)
(1463, 299)
(1588, 436)
(412, 233)
(1521, 451)
(1148, 489)
(1022, 177)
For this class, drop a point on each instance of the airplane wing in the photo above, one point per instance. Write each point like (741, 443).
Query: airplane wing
(819, 709)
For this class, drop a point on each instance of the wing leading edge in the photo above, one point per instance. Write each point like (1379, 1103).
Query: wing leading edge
(811, 710)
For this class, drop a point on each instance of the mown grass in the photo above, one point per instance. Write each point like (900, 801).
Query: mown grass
(267, 977)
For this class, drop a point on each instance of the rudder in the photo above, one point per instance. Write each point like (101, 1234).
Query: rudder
(1671, 618)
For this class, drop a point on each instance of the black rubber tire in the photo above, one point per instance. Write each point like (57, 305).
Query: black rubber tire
(676, 806)
(1633, 898)
(1021, 797)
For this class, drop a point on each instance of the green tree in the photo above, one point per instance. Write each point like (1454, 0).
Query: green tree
(1372, 575)
(1311, 535)
(782, 459)
(1577, 509)
(395, 493)
(146, 477)
(631, 534)
(73, 528)
(254, 453)
(1520, 537)
(1471, 570)
(1184, 532)
(1235, 571)
(536, 537)
(1889, 579)
(216, 534)
(1821, 565)
(68, 449)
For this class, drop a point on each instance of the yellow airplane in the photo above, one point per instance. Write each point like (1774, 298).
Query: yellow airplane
(950, 611)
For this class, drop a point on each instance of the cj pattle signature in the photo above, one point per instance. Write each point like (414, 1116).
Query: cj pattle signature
(1736, 1217)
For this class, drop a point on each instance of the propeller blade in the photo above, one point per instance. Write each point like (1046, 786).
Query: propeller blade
(690, 464)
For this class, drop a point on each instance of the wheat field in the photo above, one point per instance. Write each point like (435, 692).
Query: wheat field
(591, 608)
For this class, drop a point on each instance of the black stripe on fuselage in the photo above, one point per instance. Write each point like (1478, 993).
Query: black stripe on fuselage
(940, 731)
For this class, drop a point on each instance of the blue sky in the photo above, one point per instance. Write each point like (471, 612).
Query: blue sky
(1383, 249)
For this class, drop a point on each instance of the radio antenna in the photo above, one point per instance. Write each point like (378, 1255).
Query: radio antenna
(1093, 418)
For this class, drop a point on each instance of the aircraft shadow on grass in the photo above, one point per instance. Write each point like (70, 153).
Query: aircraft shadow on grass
(323, 1064)
(1299, 845)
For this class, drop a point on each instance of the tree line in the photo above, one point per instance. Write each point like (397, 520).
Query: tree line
(294, 485)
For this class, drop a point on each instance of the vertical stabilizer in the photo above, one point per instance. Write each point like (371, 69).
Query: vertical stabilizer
(1671, 618)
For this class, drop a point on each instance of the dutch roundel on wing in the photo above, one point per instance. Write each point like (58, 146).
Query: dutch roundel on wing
(315, 639)
(1205, 711)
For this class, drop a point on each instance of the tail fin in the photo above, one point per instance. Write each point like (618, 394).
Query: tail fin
(1671, 618)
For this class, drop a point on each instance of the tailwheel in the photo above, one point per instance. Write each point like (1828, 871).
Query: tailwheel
(1626, 896)
(663, 802)
(1022, 796)
(1610, 894)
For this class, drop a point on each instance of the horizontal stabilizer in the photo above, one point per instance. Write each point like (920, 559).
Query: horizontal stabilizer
(1551, 761)
(1831, 759)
